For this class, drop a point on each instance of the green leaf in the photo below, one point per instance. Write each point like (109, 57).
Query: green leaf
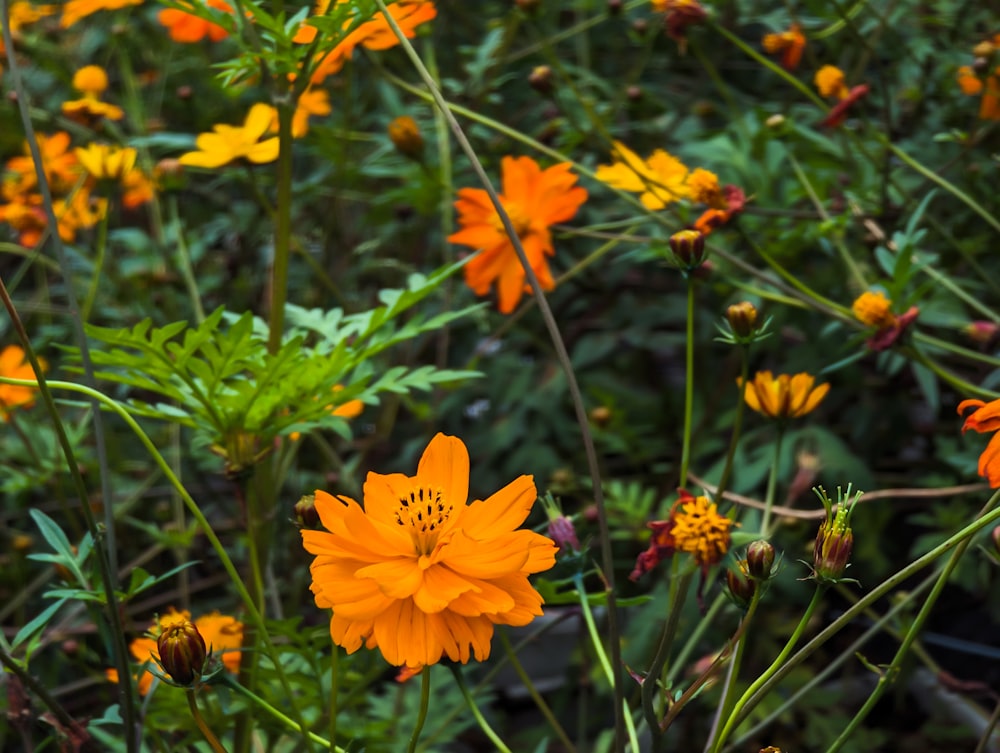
(36, 624)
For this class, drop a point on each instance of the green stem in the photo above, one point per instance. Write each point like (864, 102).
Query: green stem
(726, 700)
(470, 701)
(889, 674)
(202, 725)
(772, 484)
(543, 707)
(184, 259)
(688, 385)
(657, 668)
(95, 281)
(230, 682)
(775, 665)
(66, 721)
(954, 380)
(559, 345)
(334, 690)
(282, 226)
(734, 438)
(425, 695)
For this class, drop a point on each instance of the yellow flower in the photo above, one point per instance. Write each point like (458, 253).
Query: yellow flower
(311, 102)
(419, 573)
(106, 162)
(14, 365)
(831, 82)
(91, 81)
(405, 136)
(703, 188)
(74, 10)
(222, 634)
(874, 309)
(229, 143)
(785, 397)
(662, 179)
(534, 199)
(700, 530)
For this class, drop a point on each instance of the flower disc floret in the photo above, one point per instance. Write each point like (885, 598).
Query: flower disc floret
(701, 531)
(418, 573)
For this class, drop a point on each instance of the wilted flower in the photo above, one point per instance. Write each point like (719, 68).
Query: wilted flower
(695, 526)
(187, 28)
(534, 199)
(984, 419)
(418, 573)
(783, 397)
(14, 365)
(679, 15)
(831, 82)
(874, 309)
(790, 44)
(228, 143)
(733, 202)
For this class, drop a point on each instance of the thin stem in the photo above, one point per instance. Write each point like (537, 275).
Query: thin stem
(991, 724)
(888, 675)
(184, 259)
(734, 437)
(425, 696)
(95, 281)
(230, 682)
(282, 227)
(772, 484)
(334, 691)
(688, 385)
(775, 665)
(543, 707)
(470, 701)
(202, 725)
(560, 347)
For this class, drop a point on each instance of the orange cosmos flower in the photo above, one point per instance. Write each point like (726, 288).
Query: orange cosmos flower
(534, 199)
(223, 636)
(14, 365)
(985, 418)
(785, 397)
(228, 143)
(790, 44)
(831, 82)
(74, 10)
(875, 310)
(419, 573)
(970, 83)
(375, 34)
(188, 28)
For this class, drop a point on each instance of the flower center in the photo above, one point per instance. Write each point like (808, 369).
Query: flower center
(424, 511)
(520, 219)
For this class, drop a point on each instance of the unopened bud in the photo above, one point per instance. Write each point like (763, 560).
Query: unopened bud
(405, 136)
(834, 541)
(984, 49)
(760, 559)
(182, 652)
(688, 247)
(540, 79)
(305, 511)
(742, 318)
(601, 415)
(562, 532)
(741, 587)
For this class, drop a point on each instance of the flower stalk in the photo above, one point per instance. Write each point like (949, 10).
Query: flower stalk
(425, 695)
(213, 741)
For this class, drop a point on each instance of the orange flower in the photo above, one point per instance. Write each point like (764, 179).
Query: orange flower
(14, 365)
(970, 83)
(59, 163)
(875, 310)
(789, 43)
(534, 199)
(785, 397)
(831, 82)
(223, 635)
(419, 573)
(74, 10)
(187, 28)
(375, 34)
(91, 81)
(985, 418)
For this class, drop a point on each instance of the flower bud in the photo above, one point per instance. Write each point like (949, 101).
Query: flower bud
(540, 79)
(741, 587)
(688, 247)
(742, 318)
(834, 541)
(996, 539)
(600, 415)
(562, 532)
(305, 511)
(182, 652)
(405, 136)
(760, 559)
(984, 49)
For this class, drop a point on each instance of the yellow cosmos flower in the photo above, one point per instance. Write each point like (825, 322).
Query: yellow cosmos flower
(106, 162)
(785, 397)
(700, 530)
(418, 573)
(14, 365)
(223, 634)
(91, 81)
(661, 179)
(874, 309)
(831, 82)
(229, 143)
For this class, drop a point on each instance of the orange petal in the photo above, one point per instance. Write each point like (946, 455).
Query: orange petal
(445, 464)
(502, 511)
